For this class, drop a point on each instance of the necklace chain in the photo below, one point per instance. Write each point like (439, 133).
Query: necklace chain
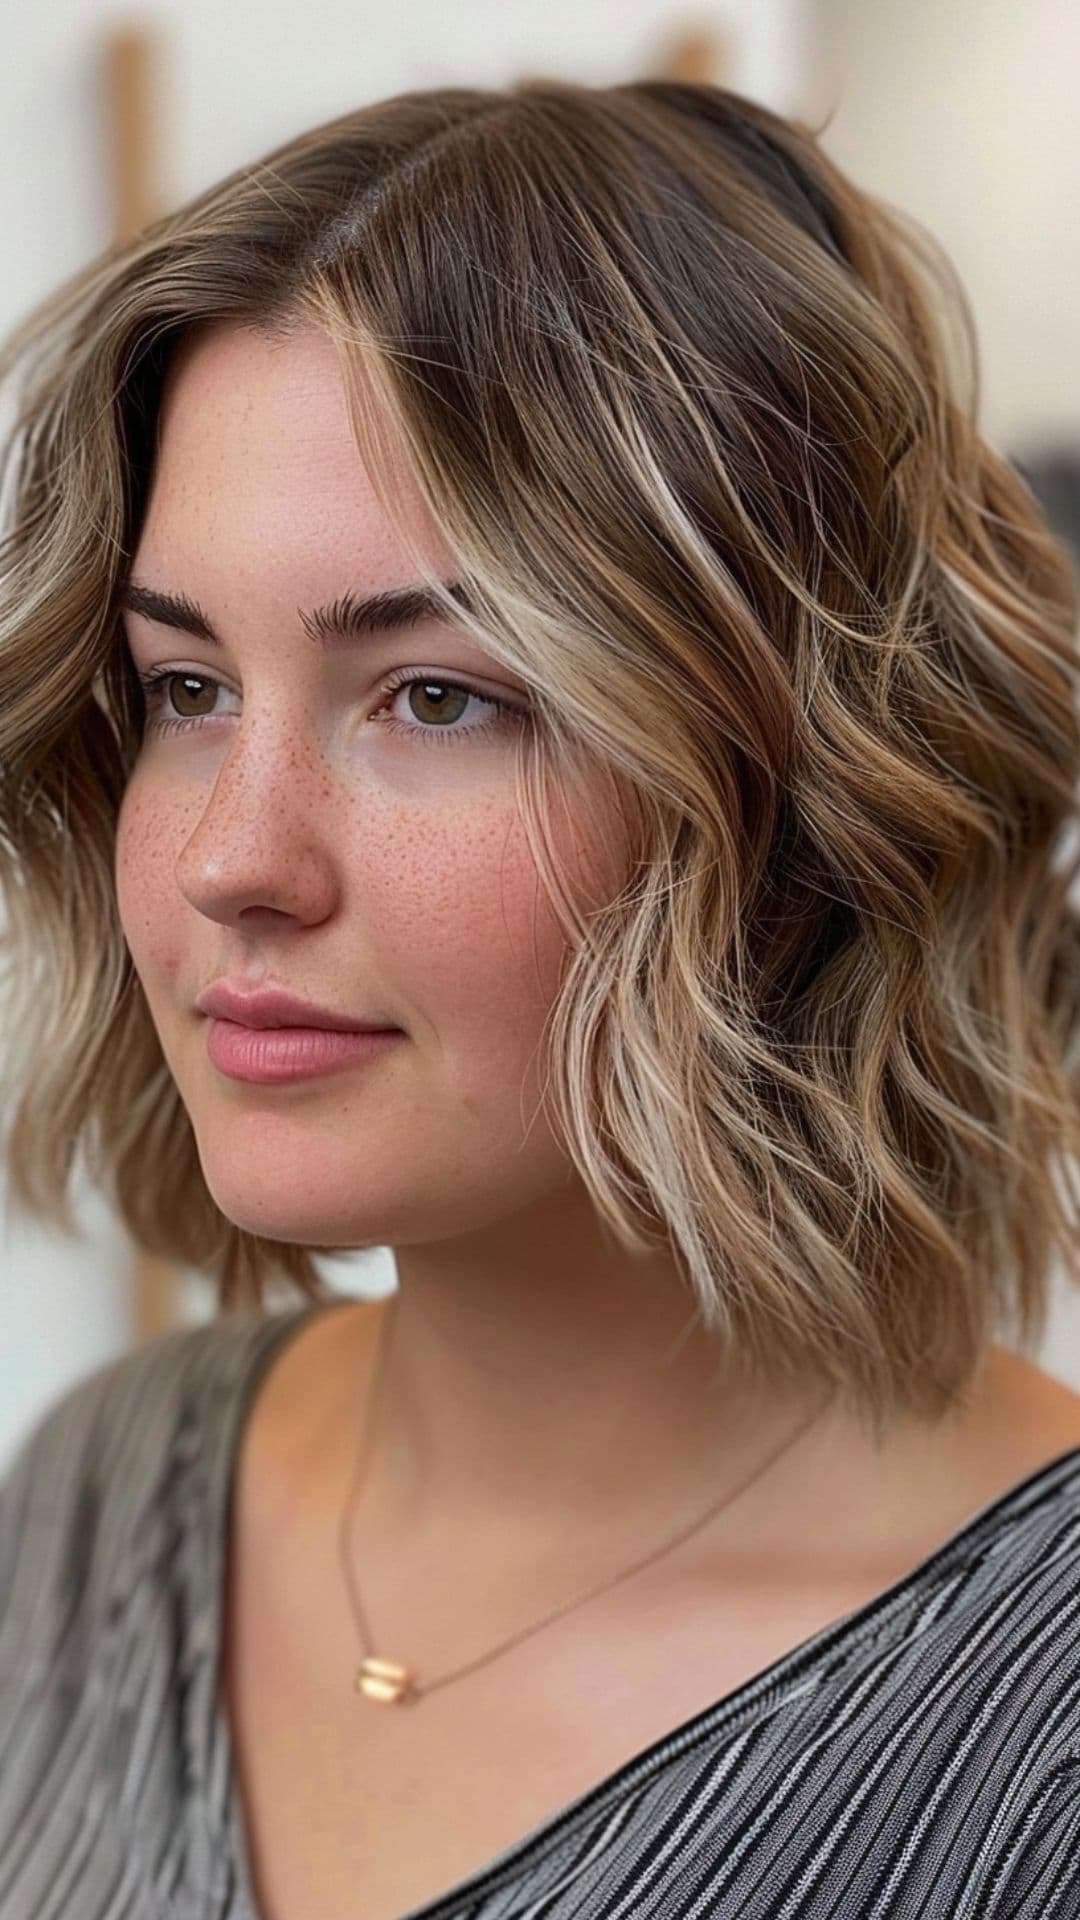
(391, 1682)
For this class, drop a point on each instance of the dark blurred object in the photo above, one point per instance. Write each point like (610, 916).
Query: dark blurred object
(1053, 474)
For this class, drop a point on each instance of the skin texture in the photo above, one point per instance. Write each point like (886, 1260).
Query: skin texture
(540, 1382)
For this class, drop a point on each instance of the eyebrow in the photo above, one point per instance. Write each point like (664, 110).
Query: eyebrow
(348, 618)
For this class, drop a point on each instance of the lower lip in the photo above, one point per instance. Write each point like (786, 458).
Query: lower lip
(275, 1054)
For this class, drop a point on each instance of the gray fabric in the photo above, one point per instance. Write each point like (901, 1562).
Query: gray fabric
(919, 1757)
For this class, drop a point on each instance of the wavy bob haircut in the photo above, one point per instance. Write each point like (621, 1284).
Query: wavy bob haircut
(697, 420)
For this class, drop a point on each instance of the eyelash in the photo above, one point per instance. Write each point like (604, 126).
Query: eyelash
(506, 714)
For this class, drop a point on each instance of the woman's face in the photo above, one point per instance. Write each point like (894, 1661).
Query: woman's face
(278, 830)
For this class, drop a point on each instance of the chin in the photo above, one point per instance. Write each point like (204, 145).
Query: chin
(302, 1219)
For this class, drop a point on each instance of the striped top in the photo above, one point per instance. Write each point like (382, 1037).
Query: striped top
(918, 1757)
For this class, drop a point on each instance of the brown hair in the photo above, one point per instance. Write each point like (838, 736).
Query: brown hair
(698, 420)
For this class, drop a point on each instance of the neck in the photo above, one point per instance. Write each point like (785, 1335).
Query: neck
(541, 1381)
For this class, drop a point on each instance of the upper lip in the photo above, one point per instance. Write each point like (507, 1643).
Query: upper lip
(270, 1007)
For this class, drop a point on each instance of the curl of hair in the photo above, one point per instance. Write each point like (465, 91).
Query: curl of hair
(698, 420)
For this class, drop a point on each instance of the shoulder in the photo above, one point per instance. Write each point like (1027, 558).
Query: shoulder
(99, 1472)
(1039, 1850)
(61, 1447)
(105, 1414)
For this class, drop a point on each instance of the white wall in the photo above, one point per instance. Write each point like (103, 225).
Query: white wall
(966, 115)
(939, 111)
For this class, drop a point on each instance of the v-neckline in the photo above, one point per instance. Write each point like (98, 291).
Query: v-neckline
(258, 1351)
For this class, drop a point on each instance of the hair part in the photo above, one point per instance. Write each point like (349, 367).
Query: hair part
(685, 406)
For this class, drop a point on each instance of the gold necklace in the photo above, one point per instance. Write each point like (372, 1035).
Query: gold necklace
(392, 1683)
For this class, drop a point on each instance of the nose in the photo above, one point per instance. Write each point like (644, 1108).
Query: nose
(262, 844)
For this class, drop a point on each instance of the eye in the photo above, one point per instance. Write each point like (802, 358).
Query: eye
(154, 683)
(443, 698)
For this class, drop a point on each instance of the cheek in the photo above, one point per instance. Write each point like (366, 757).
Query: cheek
(470, 947)
(459, 921)
(147, 900)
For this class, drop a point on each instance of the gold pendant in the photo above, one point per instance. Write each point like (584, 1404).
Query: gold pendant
(384, 1680)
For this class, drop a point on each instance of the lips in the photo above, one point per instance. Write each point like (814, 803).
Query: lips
(283, 1054)
(273, 1007)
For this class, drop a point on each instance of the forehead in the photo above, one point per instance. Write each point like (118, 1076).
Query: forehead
(256, 462)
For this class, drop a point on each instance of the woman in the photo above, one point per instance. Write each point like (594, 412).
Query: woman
(517, 571)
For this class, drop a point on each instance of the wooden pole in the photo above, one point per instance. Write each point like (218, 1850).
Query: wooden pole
(129, 60)
(129, 64)
(699, 54)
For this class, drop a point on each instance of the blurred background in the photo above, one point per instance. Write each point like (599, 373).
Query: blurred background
(960, 112)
